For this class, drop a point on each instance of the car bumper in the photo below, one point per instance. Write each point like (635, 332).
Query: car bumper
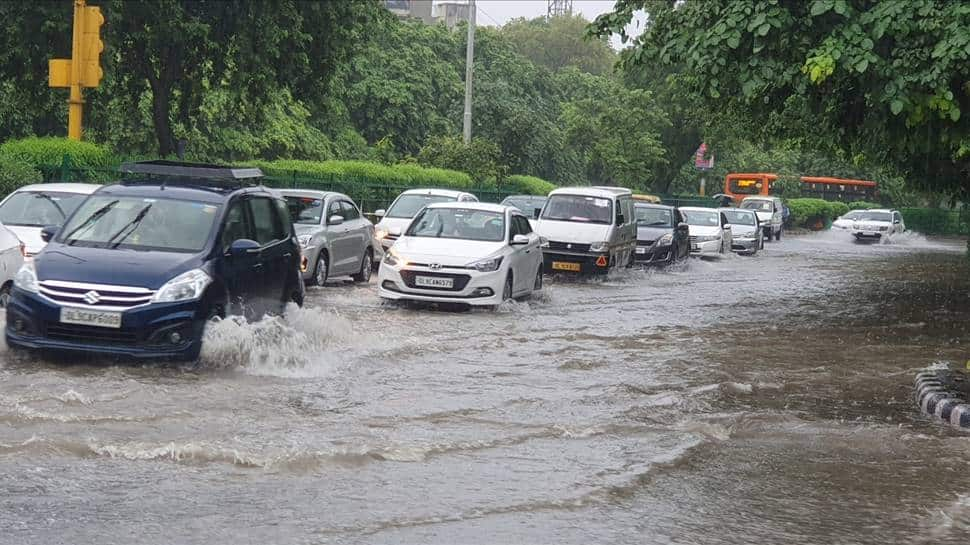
(653, 254)
(869, 235)
(710, 247)
(145, 333)
(471, 287)
(744, 244)
(556, 262)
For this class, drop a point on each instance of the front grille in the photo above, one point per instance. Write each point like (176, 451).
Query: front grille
(91, 334)
(95, 295)
(461, 280)
(569, 246)
(645, 242)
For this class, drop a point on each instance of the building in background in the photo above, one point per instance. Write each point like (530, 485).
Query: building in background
(452, 12)
(449, 12)
(559, 8)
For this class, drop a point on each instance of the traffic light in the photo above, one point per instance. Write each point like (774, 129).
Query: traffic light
(91, 47)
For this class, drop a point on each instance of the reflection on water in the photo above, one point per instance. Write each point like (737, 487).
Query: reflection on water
(761, 399)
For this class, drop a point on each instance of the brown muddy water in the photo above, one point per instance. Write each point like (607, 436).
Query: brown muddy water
(743, 400)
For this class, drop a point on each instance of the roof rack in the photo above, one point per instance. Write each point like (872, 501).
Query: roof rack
(199, 171)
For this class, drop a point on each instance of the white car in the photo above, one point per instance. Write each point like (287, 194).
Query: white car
(11, 259)
(398, 216)
(771, 214)
(462, 252)
(31, 208)
(710, 231)
(846, 221)
(877, 225)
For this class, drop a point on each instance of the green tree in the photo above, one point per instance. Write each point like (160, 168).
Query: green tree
(560, 42)
(482, 158)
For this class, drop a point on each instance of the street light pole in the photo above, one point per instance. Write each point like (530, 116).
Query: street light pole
(469, 66)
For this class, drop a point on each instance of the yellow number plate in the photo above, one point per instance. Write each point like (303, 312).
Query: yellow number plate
(564, 266)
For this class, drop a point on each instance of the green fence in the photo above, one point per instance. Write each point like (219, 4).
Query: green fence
(936, 221)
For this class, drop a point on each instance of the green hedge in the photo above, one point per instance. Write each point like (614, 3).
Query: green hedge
(935, 221)
(15, 174)
(50, 151)
(815, 213)
(528, 185)
(863, 205)
(363, 172)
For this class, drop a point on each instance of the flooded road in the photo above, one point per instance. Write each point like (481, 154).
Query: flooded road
(745, 400)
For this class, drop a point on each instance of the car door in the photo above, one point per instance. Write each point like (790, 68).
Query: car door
(528, 257)
(776, 216)
(275, 253)
(242, 274)
(681, 246)
(358, 233)
(337, 245)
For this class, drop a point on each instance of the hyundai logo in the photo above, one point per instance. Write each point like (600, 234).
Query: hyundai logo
(92, 297)
(434, 266)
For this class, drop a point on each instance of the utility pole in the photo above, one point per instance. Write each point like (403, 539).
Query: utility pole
(469, 69)
(83, 69)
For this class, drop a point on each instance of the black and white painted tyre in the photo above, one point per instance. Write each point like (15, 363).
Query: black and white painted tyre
(944, 394)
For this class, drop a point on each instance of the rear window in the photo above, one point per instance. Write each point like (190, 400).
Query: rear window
(739, 217)
(578, 208)
(648, 216)
(406, 206)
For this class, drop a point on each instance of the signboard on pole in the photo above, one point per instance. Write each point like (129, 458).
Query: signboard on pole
(701, 160)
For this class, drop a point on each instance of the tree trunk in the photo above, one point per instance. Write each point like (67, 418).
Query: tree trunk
(161, 104)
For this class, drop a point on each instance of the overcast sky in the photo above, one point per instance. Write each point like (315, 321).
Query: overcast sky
(499, 12)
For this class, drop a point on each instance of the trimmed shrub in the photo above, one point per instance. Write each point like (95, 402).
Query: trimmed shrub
(815, 213)
(838, 209)
(863, 205)
(434, 177)
(50, 151)
(15, 174)
(528, 185)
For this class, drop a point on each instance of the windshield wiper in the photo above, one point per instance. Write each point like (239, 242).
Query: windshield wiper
(90, 221)
(129, 227)
(52, 201)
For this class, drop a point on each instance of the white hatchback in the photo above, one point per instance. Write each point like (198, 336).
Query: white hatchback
(31, 208)
(463, 252)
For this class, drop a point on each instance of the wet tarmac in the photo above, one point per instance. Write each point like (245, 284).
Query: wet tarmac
(764, 399)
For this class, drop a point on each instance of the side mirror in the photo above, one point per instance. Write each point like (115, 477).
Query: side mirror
(396, 231)
(519, 240)
(243, 247)
(727, 227)
(49, 232)
(683, 227)
(897, 222)
(380, 213)
(335, 220)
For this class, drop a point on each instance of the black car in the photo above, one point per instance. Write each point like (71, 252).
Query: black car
(141, 266)
(662, 235)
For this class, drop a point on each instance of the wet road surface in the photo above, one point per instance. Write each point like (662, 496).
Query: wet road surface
(743, 400)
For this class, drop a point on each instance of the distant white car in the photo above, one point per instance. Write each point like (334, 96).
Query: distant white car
(463, 252)
(31, 208)
(876, 225)
(398, 216)
(710, 231)
(11, 259)
(847, 220)
(771, 214)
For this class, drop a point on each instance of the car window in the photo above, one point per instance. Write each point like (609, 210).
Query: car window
(334, 210)
(39, 208)
(266, 223)
(235, 226)
(524, 226)
(349, 211)
(306, 210)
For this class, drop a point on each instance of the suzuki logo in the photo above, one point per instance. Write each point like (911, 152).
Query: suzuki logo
(435, 266)
(569, 246)
(92, 297)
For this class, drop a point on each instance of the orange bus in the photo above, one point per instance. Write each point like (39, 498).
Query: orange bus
(741, 185)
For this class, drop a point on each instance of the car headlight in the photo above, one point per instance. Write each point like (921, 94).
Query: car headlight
(487, 265)
(184, 287)
(599, 246)
(26, 278)
(380, 234)
(665, 240)
(305, 240)
(392, 259)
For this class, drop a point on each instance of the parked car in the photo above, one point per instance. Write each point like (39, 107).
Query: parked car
(662, 234)
(710, 231)
(847, 220)
(876, 225)
(31, 208)
(747, 236)
(530, 205)
(398, 216)
(336, 239)
(141, 266)
(771, 213)
(589, 230)
(12, 255)
(463, 252)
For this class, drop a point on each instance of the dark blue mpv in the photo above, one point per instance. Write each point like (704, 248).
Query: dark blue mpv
(141, 266)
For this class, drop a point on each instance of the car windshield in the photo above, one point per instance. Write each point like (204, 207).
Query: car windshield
(526, 205)
(138, 223)
(406, 206)
(578, 208)
(739, 217)
(875, 216)
(700, 218)
(461, 223)
(647, 216)
(39, 208)
(306, 210)
(759, 206)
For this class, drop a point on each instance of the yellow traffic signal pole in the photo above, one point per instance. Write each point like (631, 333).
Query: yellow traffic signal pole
(76, 101)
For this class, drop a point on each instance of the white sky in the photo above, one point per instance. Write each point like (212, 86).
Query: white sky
(499, 12)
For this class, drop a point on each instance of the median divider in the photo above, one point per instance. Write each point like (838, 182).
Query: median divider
(945, 394)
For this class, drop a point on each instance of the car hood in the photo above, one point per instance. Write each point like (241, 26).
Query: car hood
(389, 223)
(704, 230)
(737, 229)
(30, 236)
(573, 231)
(114, 267)
(306, 229)
(652, 233)
(447, 252)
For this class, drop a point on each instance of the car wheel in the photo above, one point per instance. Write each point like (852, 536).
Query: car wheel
(507, 290)
(5, 296)
(322, 271)
(538, 283)
(366, 268)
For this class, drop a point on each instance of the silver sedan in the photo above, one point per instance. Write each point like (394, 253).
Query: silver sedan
(336, 239)
(748, 234)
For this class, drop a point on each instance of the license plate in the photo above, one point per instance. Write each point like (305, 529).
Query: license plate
(641, 250)
(98, 318)
(434, 282)
(566, 266)
(869, 233)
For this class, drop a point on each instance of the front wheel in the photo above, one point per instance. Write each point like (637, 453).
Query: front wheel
(366, 268)
(5, 296)
(322, 271)
(537, 286)
(507, 290)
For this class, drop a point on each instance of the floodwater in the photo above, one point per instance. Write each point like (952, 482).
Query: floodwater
(741, 400)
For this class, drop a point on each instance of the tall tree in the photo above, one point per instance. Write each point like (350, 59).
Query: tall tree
(560, 42)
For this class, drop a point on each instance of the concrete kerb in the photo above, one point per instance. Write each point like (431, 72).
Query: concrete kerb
(945, 394)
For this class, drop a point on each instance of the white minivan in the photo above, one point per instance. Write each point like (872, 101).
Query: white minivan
(770, 212)
(588, 230)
